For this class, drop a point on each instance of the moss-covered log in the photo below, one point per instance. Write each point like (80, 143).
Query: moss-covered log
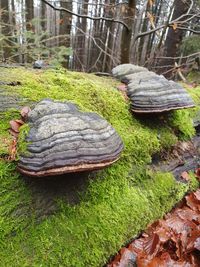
(82, 220)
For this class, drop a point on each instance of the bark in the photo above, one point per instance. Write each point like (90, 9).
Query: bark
(65, 29)
(29, 14)
(129, 14)
(174, 37)
(97, 35)
(81, 41)
(109, 30)
(43, 17)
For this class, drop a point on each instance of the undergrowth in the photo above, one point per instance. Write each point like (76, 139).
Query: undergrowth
(116, 206)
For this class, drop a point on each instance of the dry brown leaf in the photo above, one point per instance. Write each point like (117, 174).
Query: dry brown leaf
(151, 244)
(186, 213)
(197, 244)
(174, 26)
(193, 202)
(197, 195)
(197, 172)
(174, 241)
(13, 133)
(122, 87)
(150, 2)
(124, 258)
(13, 150)
(24, 112)
(15, 125)
(185, 176)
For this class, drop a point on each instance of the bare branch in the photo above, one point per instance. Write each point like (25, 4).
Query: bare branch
(180, 73)
(189, 30)
(191, 55)
(85, 16)
(94, 4)
(100, 48)
(170, 23)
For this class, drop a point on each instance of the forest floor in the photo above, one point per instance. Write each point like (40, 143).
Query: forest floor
(82, 220)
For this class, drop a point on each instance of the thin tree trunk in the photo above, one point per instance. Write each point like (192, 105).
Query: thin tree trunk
(65, 29)
(29, 14)
(174, 36)
(129, 15)
(5, 29)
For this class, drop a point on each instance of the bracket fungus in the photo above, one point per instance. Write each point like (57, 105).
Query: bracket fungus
(152, 93)
(124, 69)
(63, 139)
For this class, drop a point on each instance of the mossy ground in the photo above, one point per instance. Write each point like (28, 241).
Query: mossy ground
(116, 205)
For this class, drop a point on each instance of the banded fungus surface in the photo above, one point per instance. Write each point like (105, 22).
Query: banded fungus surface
(151, 93)
(63, 139)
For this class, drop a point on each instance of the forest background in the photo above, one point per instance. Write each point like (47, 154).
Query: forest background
(95, 36)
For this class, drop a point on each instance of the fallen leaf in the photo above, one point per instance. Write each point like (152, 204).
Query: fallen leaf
(13, 150)
(122, 87)
(174, 26)
(124, 258)
(197, 244)
(197, 172)
(13, 133)
(16, 124)
(185, 176)
(151, 244)
(24, 112)
(173, 241)
(186, 213)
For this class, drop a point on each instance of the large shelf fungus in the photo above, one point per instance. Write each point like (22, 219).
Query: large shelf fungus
(63, 139)
(152, 93)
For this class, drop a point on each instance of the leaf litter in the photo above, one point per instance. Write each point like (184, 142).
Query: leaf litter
(172, 241)
(14, 131)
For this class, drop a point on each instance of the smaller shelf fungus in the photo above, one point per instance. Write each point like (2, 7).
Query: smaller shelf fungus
(152, 93)
(63, 139)
(124, 69)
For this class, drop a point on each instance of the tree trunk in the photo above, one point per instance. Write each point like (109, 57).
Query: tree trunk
(65, 29)
(129, 14)
(43, 16)
(5, 30)
(174, 38)
(29, 14)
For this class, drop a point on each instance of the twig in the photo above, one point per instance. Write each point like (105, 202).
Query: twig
(191, 55)
(85, 16)
(190, 30)
(170, 23)
(179, 72)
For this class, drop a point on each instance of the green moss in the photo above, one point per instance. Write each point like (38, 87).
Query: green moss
(5, 137)
(167, 138)
(194, 76)
(116, 206)
(87, 234)
(21, 142)
(181, 120)
(14, 199)
(193, 183)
